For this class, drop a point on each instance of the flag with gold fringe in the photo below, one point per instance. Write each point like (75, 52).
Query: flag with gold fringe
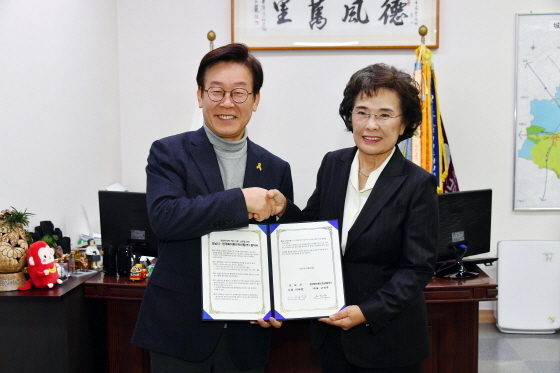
(429, 147)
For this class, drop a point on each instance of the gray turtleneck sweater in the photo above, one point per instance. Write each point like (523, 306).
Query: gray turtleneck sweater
(232, 158)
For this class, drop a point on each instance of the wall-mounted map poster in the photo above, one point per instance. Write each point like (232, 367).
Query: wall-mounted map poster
(537, 113)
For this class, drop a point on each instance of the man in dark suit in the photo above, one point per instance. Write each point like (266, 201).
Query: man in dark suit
(197, 182)
(388, 214)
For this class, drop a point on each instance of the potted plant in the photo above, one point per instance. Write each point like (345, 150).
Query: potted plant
(14, 242)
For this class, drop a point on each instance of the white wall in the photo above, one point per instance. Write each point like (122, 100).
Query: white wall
(297, 117)
(88, 85)
(59, 108)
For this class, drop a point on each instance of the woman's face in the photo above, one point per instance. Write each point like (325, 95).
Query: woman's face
(377, 136)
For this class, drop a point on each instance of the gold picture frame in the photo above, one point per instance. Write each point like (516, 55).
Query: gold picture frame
(334, 24)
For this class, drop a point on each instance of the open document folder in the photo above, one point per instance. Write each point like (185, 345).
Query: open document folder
(285, 271)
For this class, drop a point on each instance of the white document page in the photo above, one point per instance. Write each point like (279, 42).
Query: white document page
(306, 270)
(235, 274)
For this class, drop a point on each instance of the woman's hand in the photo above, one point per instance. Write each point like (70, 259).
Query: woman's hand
(267, 324)
(274, 203)
(346, 319)
(280, 202)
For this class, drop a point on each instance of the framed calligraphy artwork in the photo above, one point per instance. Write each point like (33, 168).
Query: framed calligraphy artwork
(334, 24)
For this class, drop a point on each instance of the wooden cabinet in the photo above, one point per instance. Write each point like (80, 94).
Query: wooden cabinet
(47, 330)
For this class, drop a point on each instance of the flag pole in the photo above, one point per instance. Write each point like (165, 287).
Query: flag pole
(423, 31)
(419, 153)
(211, 37)
(198, 118)
(430, 149)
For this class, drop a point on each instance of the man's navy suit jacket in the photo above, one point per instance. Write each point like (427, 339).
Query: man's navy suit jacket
(186, 200)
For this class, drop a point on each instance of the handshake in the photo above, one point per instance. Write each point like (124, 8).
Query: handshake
(262, 203)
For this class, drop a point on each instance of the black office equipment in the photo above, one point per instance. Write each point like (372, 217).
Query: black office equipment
(110, 260)
(464, 230)
(125, 260)
(124, 222)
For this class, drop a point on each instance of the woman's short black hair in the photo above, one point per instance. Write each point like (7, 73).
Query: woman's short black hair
(234, 53)
(369, 80)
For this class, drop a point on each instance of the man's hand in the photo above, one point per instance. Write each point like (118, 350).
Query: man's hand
(259, 205)
(347, 318)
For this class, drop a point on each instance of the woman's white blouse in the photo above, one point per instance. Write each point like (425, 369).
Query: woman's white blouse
(355, 198)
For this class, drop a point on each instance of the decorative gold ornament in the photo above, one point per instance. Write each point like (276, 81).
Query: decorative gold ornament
(13, 249)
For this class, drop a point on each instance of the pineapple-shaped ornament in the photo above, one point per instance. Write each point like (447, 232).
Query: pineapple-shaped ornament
(13, 248)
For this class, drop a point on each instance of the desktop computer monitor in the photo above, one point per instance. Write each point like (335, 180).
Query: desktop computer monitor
(464, 230)
(125, 224)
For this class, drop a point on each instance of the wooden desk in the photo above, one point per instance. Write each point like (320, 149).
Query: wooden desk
(452, 317)
(46, 330)
(453, 322)
(119, 308)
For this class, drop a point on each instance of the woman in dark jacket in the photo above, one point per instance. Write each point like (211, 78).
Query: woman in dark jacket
(388, 214)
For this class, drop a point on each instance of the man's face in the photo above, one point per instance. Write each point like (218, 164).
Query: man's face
(227, 118)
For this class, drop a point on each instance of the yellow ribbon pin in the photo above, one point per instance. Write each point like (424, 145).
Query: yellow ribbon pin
(259, 167)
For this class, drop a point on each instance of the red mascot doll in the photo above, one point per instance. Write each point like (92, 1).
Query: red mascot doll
(41, 267)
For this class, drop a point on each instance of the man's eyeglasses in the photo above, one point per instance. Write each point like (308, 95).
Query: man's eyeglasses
(383, 118)
(238, 95)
